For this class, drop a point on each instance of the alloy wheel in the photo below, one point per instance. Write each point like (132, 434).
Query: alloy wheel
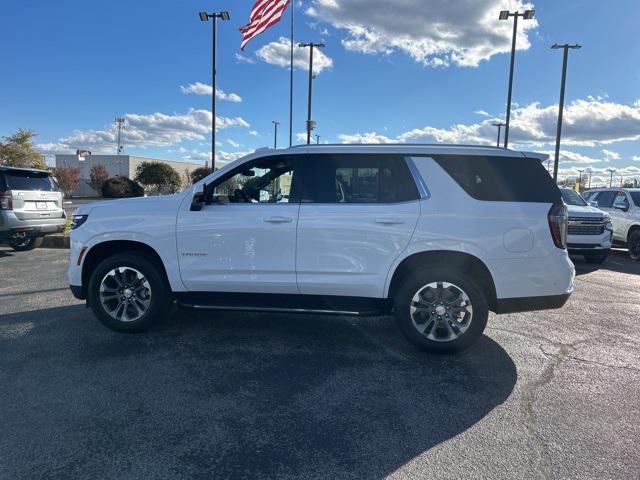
(125, 294)
(441, 311)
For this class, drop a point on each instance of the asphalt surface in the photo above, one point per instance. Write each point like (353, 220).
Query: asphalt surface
(550, 394)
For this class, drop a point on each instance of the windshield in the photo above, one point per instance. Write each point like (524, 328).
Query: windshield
(571, 197)
(24, 180)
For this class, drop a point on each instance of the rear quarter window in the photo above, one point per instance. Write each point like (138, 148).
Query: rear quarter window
(501, 179)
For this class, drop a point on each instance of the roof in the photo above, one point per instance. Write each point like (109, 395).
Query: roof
(23, 169)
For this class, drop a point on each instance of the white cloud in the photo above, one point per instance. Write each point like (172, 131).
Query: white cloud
(279, 53)
(636, 158)
(156, 129)
(371, 137)
(482, 113)
(610, 155)
(433, 32)
(253, 132)
(199, 88)
(589, 122)
(222, 156)
(233, 144)
(242, 59)
(572, 157)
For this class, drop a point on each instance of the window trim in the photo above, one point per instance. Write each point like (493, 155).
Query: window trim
(423, 190)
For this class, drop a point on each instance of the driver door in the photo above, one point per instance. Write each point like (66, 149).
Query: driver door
(246, 240)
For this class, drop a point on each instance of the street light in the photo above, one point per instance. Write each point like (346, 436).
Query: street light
(565, 57)
(499, 125)
(317, 139)
(611, 171)
(275, 134)
(310, 123)
(590, 173)
(204, 17)
(504, 15)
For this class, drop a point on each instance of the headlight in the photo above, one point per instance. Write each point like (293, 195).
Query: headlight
(78, 220)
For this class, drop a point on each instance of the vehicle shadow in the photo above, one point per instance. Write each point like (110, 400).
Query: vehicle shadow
(232, 395)
(618, 261)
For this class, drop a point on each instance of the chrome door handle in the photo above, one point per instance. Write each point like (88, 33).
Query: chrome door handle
(278, 219)
(389, 221)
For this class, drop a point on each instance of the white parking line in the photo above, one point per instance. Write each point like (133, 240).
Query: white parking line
(615, 263)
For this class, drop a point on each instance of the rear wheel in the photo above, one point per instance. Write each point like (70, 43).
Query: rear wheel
(21, 242)
(634, 245)
(440, 310)
(599, 257)
(127, 293)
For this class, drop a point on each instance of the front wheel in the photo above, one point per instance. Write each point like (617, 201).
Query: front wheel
(440, 310)
(128, 293)
(634, 245)
(21, 242)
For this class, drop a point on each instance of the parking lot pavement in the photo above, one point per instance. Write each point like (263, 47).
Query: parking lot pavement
(543, 395)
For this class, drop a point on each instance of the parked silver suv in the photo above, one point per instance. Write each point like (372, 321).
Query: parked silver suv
(30, 207)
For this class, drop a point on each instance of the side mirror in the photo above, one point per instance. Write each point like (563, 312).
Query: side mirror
(593, 203)
(624, 208)
(199, 200)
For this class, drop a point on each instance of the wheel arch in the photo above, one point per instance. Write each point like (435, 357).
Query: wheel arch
(459, 260)
(632, 229)
(105, 249)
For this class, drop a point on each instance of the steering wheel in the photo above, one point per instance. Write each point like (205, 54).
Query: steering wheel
(240, 196)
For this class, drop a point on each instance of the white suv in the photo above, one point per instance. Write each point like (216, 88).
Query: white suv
(623, 204)
(440, 235)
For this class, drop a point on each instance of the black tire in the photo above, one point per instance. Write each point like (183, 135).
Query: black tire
(597, 258)
(159, 292)
(25, 244)
(414, 282)
(634, 245)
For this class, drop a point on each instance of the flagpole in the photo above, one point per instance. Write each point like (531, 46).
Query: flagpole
(291, 77)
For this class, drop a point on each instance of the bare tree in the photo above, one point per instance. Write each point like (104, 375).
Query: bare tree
(68, 178)
(98, 175)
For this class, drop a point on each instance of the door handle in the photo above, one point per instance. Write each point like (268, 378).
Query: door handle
(389, 221)
(278, 219)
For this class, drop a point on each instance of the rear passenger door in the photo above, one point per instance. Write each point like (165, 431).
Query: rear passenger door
(357, 215)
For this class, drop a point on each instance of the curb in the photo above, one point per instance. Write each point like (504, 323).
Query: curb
(55, 241)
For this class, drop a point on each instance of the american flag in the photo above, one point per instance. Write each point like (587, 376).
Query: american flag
(264, 14)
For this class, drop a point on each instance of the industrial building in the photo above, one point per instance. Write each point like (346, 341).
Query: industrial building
(116, 165)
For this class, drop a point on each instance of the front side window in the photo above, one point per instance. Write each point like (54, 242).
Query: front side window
(358, 178)
(262, 181)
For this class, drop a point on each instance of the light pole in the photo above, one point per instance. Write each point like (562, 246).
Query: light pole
(310, 123)
(275, 134)
(580, 178)
(504, 15)
(317, 139)
(590, 172)
(565, 57)
(204, 17)
(499, 125)
(611, 170)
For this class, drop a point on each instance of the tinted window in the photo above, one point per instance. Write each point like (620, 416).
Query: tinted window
(636, 198)
(605, 199)
(356, 179)
(23, 180)
(571, 197)
(502, 179)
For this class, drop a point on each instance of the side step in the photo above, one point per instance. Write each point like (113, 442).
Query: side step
(283, 303)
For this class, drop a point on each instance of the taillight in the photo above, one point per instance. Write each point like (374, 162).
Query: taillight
(558, 224)
(6, 200)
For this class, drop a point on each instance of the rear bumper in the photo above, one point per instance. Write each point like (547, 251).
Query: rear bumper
(525, 304)
(34, 231)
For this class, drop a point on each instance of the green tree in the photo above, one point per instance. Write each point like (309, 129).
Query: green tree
(98, 175)
(199, 173)
(158, 176)
(17, 150)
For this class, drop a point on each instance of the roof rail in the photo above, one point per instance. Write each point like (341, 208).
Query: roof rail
(394, 145)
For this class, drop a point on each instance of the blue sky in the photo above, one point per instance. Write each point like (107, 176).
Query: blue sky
(410, 70)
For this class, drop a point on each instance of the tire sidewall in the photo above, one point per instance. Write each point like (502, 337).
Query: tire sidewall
(159, 292)
(33, 243)
(418, 279)
(634, 238)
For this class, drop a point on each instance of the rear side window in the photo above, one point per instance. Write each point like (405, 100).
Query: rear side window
(636, 198)
(605, 199)
(356, 178)
(501, 179)
(18, 180)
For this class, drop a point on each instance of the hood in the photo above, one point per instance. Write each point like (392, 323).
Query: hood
(586, 211)
(128, 204)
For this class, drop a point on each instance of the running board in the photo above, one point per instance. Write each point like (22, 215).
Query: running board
(280, 303)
